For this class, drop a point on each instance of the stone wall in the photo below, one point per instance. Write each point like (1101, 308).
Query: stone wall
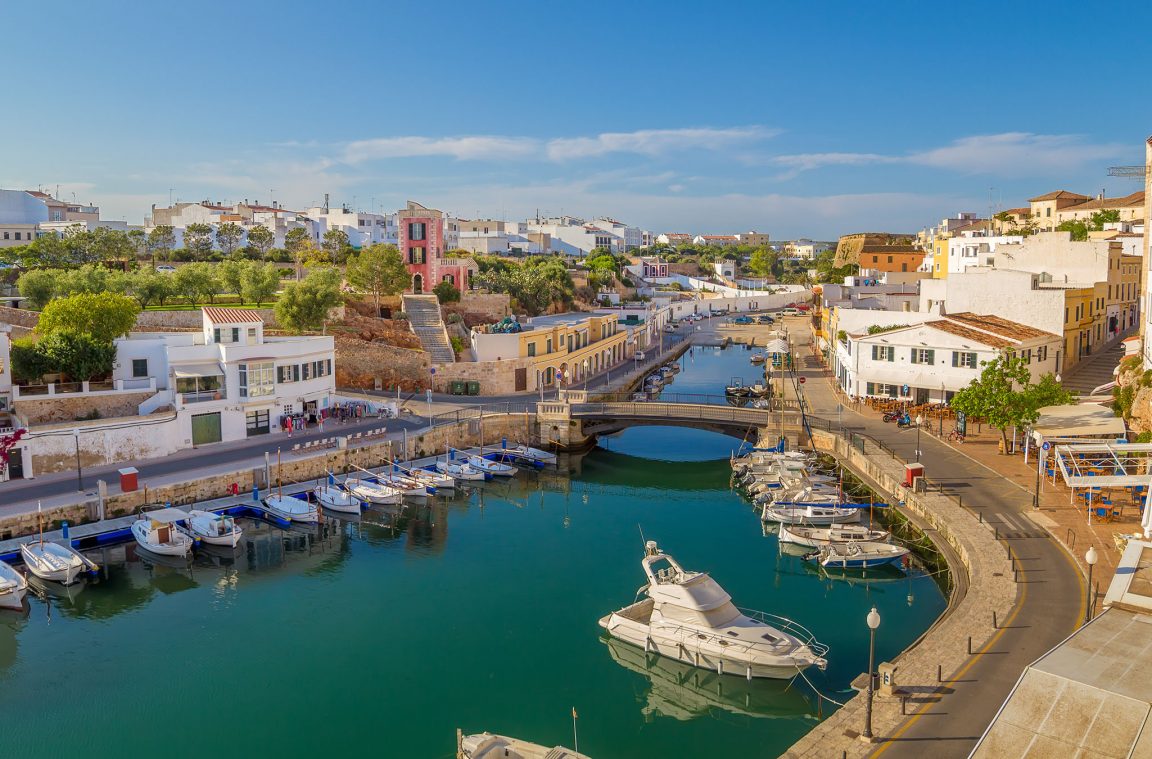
(294, 468)
(53, 447)
(63, 408)
(485, 307)
(364, 365)
(19, 316)
(495, 377)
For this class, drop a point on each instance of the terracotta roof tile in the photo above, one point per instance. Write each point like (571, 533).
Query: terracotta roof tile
(1058, 195)
(218, 315)
(1003, 327)
(975, 336)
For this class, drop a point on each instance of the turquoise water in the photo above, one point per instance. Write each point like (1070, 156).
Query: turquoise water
(480, 611)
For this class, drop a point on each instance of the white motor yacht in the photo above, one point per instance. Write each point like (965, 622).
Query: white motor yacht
(494, 468)
(689, 617)
(492, 746)
(13, 586)
(814, 537)
(374, 492)
(212, 528)
(812, 514)
(51, 561)
(157, 532)
(291, 508)
(337, 499)
(461, 470)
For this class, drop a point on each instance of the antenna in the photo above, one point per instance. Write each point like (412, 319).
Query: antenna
(1132, 172)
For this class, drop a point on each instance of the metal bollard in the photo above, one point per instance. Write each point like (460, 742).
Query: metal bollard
(903, 706)
(939, 673)
(969, 645)
(980, 516)
(996, 532)
(994, 625)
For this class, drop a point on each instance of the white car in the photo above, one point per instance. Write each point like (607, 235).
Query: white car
(791, 312)
(166, 268)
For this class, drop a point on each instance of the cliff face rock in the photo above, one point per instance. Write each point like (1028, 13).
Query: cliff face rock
(1132, 397)
(370, 365)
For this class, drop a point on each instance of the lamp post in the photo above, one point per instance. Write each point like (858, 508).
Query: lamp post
(585, 374)
(942, 401)
(1038, 438)
(79, 471)
(1090, 559)
(873, 620)
(919, 422)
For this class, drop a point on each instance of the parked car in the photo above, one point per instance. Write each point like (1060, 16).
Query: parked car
(166, 268)
(742, 320)
(791, 311)
(765, 319)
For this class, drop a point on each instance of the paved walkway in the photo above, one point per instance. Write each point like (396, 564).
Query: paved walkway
(1093, 371)
(1052, 597)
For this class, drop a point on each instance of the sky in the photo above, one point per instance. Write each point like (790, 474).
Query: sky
(796, 119)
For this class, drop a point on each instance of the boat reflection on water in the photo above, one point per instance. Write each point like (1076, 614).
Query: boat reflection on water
(684, 692)
(47, 590)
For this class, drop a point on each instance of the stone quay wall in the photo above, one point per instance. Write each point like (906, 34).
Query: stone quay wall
(991, 588)
(294, 467)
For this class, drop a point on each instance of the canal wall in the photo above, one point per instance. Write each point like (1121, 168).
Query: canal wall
(294, 467)
(967, 625)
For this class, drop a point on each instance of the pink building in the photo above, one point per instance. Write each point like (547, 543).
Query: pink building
(421, 241)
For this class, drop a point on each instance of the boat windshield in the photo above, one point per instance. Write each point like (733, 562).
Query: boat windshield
(717, 617)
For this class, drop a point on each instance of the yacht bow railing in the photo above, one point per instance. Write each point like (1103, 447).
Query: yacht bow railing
(793, 628)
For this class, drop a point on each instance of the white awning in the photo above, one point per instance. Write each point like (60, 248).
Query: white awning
(1079, 420)
(198, 370)
(167, 516)
(776, 346)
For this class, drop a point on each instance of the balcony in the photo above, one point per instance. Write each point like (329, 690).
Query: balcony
(140, 384)
(201, 397)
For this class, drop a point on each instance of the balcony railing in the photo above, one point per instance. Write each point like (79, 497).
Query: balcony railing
(83, 388)
(201, 397)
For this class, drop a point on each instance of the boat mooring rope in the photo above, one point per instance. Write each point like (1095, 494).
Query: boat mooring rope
(817, 690)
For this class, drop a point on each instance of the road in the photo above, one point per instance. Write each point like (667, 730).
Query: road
(1051, 599)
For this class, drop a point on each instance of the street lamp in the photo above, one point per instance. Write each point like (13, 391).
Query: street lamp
(1090, 559)
(79, 471)
(943, 400)
(873, 620)
(919, 421)
(1038, 438)
(585, 374)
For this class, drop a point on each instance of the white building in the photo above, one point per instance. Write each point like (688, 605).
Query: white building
(576, 237)
(229, 381)
(967, 250)
(929, 362)
(722, 241)
(280, 221)
(23, 212)
(362, 228)
(675, 239)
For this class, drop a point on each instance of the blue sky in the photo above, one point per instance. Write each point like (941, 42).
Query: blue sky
(799, 119)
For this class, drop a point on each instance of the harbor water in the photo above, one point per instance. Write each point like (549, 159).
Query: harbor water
(381, 637)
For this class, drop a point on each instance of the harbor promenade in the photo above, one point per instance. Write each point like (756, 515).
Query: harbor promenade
(1051, 597)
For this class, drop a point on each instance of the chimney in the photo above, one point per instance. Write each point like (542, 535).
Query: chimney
(325, 202)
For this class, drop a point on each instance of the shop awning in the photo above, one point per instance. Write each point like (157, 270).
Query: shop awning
(776, 346)
(198, 370)
(1079, 421)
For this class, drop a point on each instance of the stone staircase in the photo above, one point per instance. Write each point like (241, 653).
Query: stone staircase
(424, 316)
(1093, 371)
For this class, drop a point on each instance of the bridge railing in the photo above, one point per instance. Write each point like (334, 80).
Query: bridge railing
(684, 411)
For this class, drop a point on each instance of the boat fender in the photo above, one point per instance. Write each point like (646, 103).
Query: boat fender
(906, 560)
(748, 673)
(719, 666)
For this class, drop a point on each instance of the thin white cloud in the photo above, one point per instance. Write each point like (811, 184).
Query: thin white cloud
(1008, 154)
(653, 142)
(475, 148)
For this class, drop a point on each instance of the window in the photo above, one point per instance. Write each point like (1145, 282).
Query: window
(965, 360)
(288, 409)
(889, 259)
(216, 335)
(257, 422)
(548, 346)
(251, 335)
(531, 349)
(417, 230)
(307, 373)
(327, 367)
(416, 255)
(290, 373)
(923, 356)
(17, 235)
(1027, 356)
(257, 380)
(1042, 353)
(883, 353)
(235, 334)
(139, 367)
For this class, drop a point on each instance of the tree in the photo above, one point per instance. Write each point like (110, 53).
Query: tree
(1004, 395)
(138, 239)
(1077, 228)
(228, 237)
(261, 238)
(161, 240)
(296, 242)
(336, 245)
(104, 316)
(38, 286)
(377, 270)
(198, 240)
(230, 274)
(446, 292)
(259, 283)
(196, 282)
(763, 263)
(86, 279)
(78, 355)
(305, 305)
(149, 286)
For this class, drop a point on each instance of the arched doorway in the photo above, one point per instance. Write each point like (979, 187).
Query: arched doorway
(417, 284)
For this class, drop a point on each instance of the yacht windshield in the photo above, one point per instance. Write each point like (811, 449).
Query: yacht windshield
(717, 617)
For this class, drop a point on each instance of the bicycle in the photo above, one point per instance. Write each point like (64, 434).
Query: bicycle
(956, 436)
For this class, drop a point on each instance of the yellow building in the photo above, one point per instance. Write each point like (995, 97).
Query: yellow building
(559, 349)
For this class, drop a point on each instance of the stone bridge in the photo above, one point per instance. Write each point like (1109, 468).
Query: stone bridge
(574, 421)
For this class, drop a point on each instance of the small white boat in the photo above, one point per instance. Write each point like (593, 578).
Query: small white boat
(757, 358)
(638, 397)
(688, 617)
(492, 746)
(814, 537)
(13, 586)
(158, 533)
(529, 453)
(52, 562)
(212, 528)
(407, 486)
(291, 508)
(494, 468)
(811, 514)
(337, 499)
(374, 492)
(436, 480)
(460, 470)
(858, 555)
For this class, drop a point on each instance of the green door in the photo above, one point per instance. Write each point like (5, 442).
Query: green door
(205, 428)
